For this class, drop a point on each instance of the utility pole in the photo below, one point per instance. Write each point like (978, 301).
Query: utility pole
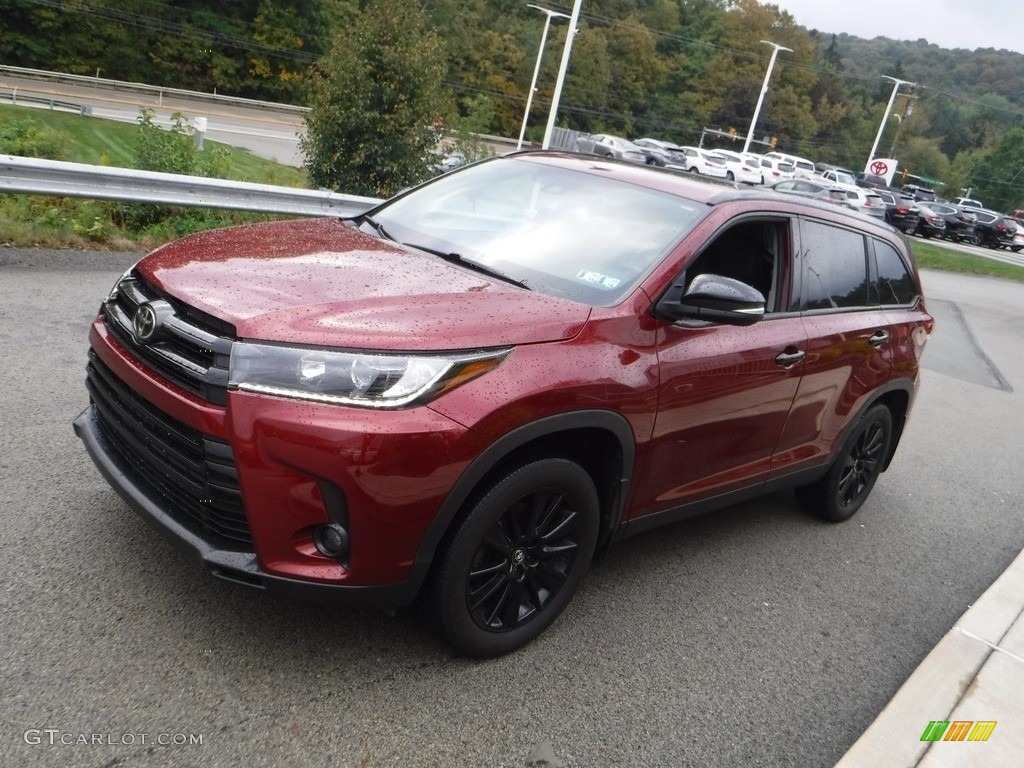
(764, 90)
(881, 129)
(536, 70)
(562, 69)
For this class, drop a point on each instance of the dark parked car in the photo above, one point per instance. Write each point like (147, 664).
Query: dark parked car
(464, 395)
(995, 230)
(960, 222)
(919, 193)
(930, 222)
(663, 154)
(900, 210)
(870, 181)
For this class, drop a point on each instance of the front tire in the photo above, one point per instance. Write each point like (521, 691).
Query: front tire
(516, 559)
(841, 492)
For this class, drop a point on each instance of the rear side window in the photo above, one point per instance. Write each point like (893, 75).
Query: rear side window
(895, 285)
(834, 267)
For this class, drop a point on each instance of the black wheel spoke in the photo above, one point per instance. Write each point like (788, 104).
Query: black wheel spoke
(549, 576)
(557, 549)
(544, 509)
(492, 619)
(478, 596)
(488, 570)
(497, 541)
(567, 522)
(511, 610)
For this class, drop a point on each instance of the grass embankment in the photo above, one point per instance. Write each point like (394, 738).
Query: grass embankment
(36, 220)
(930, 256)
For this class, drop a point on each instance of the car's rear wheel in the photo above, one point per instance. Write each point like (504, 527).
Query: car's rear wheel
(515, 560)
(729, 176)
(842, 491)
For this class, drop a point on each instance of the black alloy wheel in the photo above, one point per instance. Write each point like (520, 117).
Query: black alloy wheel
(841, 492)
(516, 560)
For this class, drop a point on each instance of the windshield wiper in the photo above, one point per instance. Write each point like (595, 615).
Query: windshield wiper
(458, 258)
(364, 218)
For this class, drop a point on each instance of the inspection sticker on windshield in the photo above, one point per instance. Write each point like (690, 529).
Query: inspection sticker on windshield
(598, 279)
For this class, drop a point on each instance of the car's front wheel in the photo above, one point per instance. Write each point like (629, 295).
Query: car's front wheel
(842, 491)
(514, 562)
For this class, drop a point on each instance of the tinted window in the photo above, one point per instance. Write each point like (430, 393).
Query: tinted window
(895, 285)
(834, 267)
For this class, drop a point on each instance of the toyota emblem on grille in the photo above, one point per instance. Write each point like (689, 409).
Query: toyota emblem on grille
(148, 319)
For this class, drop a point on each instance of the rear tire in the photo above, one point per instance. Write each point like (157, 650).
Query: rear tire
(516, 559)
(844, 488)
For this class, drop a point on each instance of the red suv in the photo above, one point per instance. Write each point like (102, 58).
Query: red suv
(464, 395)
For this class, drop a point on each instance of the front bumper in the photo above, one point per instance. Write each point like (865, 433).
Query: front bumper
(229, 565)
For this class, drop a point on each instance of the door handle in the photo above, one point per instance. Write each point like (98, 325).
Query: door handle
(878, 338)
(787, 359)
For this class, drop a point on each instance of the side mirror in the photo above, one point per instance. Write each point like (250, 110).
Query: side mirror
(716, 299)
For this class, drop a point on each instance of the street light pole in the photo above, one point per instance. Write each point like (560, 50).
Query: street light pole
(562, 68)
(885, 117)
(536, 70)
(764, 89)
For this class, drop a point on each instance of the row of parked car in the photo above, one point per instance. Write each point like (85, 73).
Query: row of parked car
(913, 209)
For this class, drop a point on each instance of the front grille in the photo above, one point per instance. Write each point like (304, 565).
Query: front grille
(191, 349)
(193, 472)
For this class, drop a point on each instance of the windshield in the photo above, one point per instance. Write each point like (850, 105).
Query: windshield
(560, 231)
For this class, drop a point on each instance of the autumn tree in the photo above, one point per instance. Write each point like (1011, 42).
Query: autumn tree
(374, 102)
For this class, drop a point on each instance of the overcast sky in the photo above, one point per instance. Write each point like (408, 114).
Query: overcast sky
(947, 23)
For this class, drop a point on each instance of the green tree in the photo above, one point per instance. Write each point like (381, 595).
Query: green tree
(998, 176)
(374, 100)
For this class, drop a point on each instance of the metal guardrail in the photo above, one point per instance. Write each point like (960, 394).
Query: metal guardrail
(15, 98)
(160, 91)
(26, 175)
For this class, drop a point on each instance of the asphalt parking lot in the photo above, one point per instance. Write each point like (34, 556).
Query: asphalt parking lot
(755, 636)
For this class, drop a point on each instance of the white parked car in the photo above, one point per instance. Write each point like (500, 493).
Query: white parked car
(840, 178)
(1018, 239)
(740, 167)
(773, 169)
(802, 167)
(704, 162)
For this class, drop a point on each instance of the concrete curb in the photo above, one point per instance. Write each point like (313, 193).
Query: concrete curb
(976, 672)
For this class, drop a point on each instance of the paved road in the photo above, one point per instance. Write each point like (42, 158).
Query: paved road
(753, 637)
(267, 133)
(998, 254)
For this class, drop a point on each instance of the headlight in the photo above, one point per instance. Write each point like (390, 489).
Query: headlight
(117, 285)
(353, 378)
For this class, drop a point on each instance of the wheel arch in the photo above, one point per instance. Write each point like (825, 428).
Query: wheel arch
(898, 399)
(602, 442)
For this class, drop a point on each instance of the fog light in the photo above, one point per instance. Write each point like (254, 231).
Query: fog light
(331, 540)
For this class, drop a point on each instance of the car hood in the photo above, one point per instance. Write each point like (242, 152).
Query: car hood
(320, 282)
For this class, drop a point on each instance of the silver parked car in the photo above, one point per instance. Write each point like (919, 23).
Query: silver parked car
(605, 145)
(813, 189)
(865, 201)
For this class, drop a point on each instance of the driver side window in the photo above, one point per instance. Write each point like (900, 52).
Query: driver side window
(753, 252)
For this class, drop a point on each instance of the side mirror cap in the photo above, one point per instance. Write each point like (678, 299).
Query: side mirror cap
(716, 299)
